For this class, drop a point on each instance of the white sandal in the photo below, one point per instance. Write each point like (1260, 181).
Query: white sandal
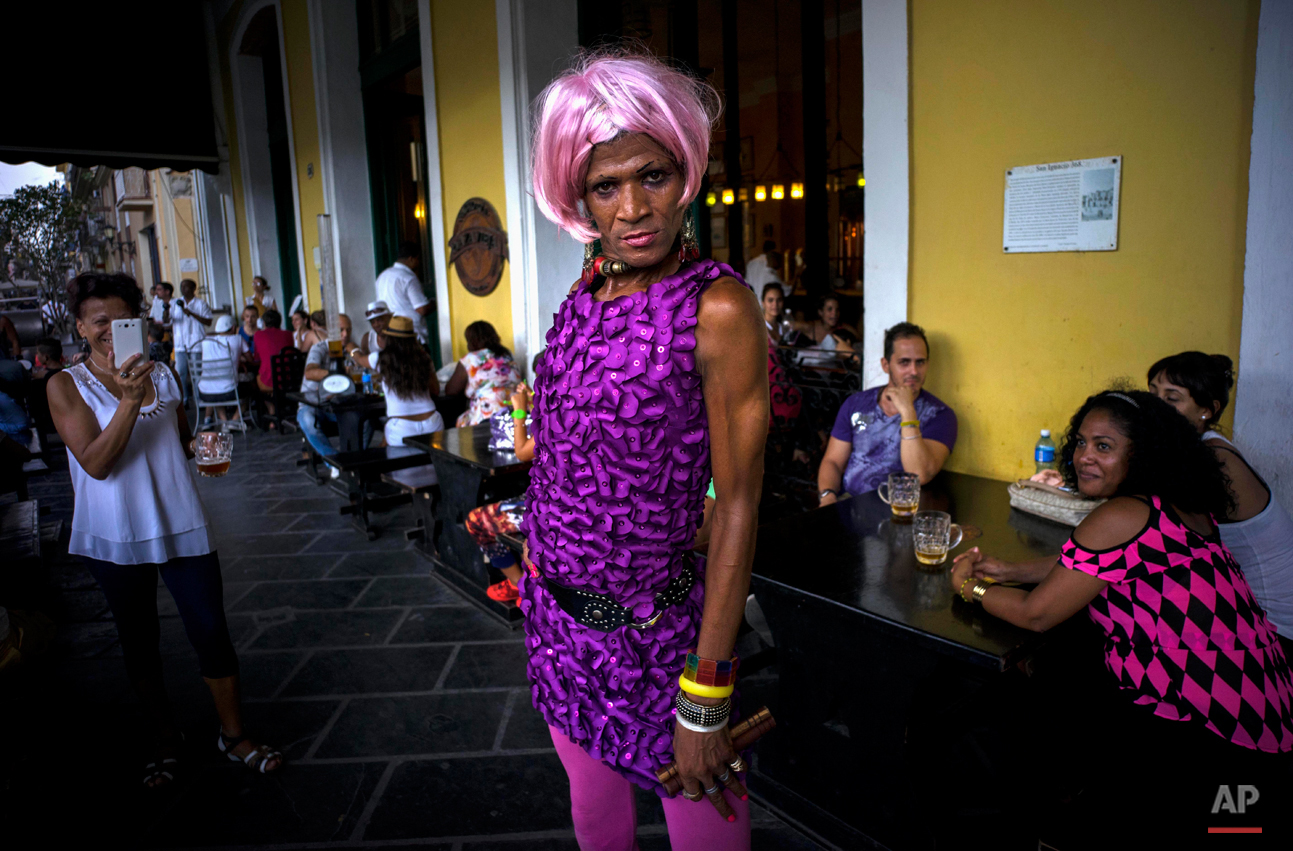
(156, 770)
(255, 759)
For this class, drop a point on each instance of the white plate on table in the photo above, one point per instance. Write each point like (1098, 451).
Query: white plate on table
(336, 384)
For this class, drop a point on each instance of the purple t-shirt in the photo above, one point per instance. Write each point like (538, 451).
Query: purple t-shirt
(877, 439)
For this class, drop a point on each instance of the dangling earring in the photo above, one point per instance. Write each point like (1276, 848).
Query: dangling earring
(590, 254)
(689, 247)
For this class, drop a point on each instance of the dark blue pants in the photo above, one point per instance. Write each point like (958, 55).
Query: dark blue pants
(198, 590)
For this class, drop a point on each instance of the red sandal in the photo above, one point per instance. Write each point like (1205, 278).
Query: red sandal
(503, 592)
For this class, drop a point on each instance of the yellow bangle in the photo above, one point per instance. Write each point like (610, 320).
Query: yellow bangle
(909, 424)
(693, 687)
(961, 592)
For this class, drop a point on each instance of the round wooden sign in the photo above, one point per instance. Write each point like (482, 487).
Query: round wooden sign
(478, 247)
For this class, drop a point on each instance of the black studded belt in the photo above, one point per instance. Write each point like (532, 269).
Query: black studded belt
(604, 614)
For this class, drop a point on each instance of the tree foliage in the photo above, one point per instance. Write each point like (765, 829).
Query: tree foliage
(40, 226)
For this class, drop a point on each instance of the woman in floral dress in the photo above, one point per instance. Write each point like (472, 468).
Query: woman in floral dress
(487, 374)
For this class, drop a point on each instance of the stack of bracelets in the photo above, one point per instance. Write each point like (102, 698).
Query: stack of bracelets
(977, 590)
(705, 678)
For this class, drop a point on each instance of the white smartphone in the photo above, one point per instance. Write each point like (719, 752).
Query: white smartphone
(129, 338)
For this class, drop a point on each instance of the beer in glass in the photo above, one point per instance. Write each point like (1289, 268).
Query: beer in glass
(214, 450)
(902, 494)
(934, 534)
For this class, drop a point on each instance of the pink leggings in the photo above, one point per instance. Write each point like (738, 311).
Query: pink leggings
(606, 819)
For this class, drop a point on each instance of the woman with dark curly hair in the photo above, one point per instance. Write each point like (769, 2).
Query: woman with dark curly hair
(1184, 638)
(138, 513)
(408, 376)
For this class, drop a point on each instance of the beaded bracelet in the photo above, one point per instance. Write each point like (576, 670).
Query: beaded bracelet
(698, 728)
(961, 591)
(693, 687)
(700, 714)
(710, 672)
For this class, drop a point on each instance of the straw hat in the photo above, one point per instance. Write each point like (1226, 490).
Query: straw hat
(401, 326)
(376, 309)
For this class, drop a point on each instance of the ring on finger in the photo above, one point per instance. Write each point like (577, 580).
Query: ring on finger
(727, 775)
(690, 797)
(738, 765)
(125, 373)
(712, 789)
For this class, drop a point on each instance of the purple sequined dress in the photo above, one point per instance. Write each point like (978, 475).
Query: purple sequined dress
(616, 494)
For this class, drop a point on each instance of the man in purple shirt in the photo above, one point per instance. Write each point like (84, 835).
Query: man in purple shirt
(890, 429)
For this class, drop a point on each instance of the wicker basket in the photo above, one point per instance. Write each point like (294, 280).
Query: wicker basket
(1050, 502)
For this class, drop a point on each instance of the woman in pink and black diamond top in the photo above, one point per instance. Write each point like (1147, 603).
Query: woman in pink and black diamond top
(1203, 677)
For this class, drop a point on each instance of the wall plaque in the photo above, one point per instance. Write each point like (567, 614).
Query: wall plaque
(1065, 206)
(478, 246)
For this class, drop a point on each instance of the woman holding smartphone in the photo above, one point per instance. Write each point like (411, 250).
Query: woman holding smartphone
(138, 513)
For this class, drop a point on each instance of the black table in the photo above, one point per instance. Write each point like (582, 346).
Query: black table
(872, 651)
(350, 409)
(470, 475)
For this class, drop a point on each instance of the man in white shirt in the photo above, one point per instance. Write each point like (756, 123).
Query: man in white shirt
(400, 288)
(766, 269)
(378, 316)
(160, 310)
(221, 353)
(190, 317)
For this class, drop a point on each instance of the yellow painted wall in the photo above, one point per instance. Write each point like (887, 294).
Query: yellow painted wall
(471, 144)
(1018, 342)
(305, 136)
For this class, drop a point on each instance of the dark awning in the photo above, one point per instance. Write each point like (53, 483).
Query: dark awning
(117, 84)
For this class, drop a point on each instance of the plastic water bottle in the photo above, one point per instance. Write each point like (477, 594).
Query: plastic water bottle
(368, 389)
(1044, 452)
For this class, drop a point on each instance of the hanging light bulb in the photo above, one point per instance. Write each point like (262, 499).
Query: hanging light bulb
(796, 190)
(418, 211)
(711, 198)
(778, 192)
(743, 195)
(729, 197)
(861, 179)
(760, 193)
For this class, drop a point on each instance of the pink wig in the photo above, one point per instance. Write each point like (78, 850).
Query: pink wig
(604, 96)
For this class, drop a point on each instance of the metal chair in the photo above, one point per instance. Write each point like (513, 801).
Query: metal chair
(215, 369)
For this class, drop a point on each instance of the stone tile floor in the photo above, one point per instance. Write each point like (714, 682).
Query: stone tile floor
(404, 711)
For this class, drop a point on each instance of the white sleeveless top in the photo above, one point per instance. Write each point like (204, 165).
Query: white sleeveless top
(147, 510)
(1263, 546)
(397, 406)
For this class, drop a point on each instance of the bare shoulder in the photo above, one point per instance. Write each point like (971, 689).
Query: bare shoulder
(728, 302)
(1112, 524)
(60, 383)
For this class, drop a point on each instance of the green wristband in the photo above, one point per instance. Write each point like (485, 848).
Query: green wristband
(519, 415)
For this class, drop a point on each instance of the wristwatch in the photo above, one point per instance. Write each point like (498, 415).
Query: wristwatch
(822, 495)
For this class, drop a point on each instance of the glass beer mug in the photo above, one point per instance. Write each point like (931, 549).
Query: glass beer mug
(902, 494)
(933, 536)
(214, 449)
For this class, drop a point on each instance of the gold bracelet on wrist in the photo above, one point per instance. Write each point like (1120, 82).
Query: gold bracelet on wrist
(980, 588)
